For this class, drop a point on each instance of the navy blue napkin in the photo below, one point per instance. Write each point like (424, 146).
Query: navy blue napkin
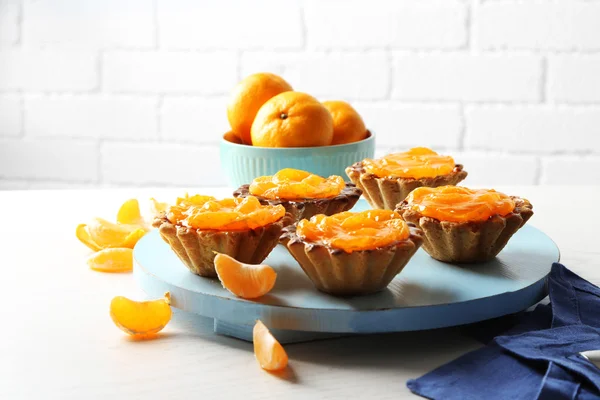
(533, 355)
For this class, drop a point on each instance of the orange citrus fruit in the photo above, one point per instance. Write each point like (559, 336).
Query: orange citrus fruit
(129, 213)
(141, 318)
(268, 351)
(83, 234)
(232, 137)
(117, 259)
(292, 119)
(244, 280)
(348, 125)
(248, 97)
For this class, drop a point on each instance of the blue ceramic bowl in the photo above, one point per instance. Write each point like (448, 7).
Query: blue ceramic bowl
(241, 163)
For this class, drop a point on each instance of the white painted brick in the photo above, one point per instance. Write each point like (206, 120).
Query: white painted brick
(88, 23)
(63, 160)
(57, 185)
(574, 78)
(381, 23)
(467, 77)
(92, 116)
(197, 120)
(533, 129)
(48, 70)
(400, 125)
(9, 26)
(10, 115)
(351, 75)
(170, 72)
(489, 170)
(233, 24)
(10, 184)
(546, 25)
(569, 170)
(161, 164)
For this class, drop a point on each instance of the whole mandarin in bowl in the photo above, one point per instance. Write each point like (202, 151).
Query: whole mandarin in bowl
(348, 125)
(248, 97)
(292, 119)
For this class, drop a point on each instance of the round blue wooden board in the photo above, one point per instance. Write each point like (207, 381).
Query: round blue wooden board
(426, 294)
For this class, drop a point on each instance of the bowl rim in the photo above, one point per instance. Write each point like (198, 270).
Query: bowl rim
(370, 137)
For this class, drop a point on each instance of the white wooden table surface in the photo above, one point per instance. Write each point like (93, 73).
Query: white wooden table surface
(57, 340)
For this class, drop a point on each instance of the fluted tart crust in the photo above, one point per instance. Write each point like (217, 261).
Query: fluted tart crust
(306, 208)
(386, 193)
(196, 248)
(469, 241)
(339, 273)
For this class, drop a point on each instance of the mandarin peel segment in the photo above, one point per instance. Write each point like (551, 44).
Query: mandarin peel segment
(111, 260)
(292, 184)
(417, 163)
(269, 353)
(231, 214)
(459, 204)
(84, 237)
(141, 319)
(247, 281)
(107, 234)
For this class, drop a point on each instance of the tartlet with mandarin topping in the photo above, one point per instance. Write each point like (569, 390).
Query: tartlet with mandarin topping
(352, 253)
(387, 181)
(198, 226)
(303, 194)
(463, 225)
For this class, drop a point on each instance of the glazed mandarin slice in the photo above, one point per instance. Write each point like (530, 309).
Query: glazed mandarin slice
(129, 213)
(84, 236)
(459, 204)
(141, 318)
(417, 163)
(244, 280)
(355, 231)
(292, 184)
(116, 259)
(235, 214)
(268, 351)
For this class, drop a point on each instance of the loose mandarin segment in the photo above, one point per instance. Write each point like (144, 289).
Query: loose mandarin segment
(141, 318)
(83, 235)
(107, 234)
(293, 184)
(419, 162)
(111, 260)
(355, 231)
(129, 213)
(459, 204)
(233, 214)
(244, 280)
(268, 351)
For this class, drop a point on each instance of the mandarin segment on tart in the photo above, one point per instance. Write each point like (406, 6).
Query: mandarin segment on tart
(293, 184)
(301, 193)
(351, 231)
(352, 253)
(462, 225)
(196, 227)
(387, 181)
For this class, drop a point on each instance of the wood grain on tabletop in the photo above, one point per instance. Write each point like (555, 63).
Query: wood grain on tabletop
(58, 340)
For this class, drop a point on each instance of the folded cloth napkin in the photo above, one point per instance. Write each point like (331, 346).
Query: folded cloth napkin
(534, 355)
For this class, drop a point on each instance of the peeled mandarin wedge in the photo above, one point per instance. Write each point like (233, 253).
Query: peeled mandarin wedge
(244, 280)
(107, 234)
(157, 207)
(129, 213)
(83, 235)
(268, 351)
(141, 318)
(112, 260)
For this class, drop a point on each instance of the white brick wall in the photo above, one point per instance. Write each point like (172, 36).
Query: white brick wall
(133, 92)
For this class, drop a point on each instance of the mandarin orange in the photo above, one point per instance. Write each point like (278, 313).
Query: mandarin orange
(244, 280)
(268, 351)
(348, 125)
(292, 119)
(248, 97)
